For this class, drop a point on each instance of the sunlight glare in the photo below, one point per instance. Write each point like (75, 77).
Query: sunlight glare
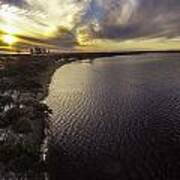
(9, 39)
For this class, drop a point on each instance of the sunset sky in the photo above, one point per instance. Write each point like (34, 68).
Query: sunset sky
(90, 25)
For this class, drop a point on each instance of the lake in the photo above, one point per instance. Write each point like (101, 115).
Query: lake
(116, 118)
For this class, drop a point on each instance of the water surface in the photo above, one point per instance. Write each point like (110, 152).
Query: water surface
(116, 118)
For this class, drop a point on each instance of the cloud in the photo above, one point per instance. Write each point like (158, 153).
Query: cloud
(73, 23)
(135, 18)
(102, 16)
(52, 21)
(59, 12)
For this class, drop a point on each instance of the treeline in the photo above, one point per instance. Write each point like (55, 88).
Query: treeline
(24, 118)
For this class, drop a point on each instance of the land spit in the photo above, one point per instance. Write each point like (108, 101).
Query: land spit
(24, 117)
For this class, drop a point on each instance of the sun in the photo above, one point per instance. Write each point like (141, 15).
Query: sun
(9, 39)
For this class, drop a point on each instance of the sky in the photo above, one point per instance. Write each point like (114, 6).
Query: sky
(90, 25)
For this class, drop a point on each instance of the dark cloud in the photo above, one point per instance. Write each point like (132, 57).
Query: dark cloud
(101, 19)
(14, 2)
(128, 19)
(64, 37)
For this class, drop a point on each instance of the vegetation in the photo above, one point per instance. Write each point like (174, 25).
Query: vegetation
(24, 118)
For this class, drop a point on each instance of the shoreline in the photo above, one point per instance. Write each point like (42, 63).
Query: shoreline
(91, 54)
(24, 85)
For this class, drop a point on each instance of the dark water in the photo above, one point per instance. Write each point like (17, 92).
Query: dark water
(116, 119)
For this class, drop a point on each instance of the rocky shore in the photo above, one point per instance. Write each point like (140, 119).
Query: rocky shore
(24, 117)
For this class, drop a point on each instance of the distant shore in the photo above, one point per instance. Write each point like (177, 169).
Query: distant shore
(85, 55)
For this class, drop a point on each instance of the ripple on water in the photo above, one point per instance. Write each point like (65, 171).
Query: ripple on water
(117, 118)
